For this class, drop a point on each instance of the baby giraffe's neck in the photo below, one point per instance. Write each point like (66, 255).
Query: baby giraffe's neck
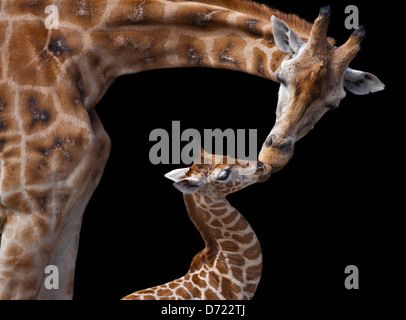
(232, 256)
(230, 265)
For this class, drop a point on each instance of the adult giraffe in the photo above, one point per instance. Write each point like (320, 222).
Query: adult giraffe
(312, 82)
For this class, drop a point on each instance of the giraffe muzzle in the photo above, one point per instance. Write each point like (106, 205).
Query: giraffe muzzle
(283, 145)
(276, 152)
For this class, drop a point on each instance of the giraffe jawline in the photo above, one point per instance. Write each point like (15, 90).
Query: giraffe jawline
(264, 177)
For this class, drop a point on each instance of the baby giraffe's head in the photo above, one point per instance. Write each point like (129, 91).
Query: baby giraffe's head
(217, 176)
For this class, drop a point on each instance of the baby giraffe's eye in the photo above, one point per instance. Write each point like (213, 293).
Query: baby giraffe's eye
(223, 175)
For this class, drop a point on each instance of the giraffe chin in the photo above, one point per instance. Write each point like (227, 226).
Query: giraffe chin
(275, 158)
(264, 177)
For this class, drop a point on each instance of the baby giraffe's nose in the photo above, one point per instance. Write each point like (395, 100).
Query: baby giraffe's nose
(263, 171)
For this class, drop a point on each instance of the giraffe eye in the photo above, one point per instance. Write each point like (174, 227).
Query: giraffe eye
(223, 175)
(331, 107)
(280, 80)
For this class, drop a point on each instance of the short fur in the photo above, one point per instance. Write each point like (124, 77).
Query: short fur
(263, 12)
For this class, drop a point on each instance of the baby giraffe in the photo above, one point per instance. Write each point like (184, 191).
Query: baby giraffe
(230, 265)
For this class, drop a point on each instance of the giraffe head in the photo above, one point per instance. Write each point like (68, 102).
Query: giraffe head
(311, 83)
(217, 176)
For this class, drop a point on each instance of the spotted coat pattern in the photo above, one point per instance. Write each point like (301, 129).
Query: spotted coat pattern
(53, 147)
(230, 266)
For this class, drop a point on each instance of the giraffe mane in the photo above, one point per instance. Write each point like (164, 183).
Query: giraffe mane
(263, 12)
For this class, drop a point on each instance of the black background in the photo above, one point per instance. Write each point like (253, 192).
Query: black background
(335, 204)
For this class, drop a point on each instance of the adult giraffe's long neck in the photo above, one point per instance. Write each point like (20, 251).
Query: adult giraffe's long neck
(133, 36)
(230, 265)
(166, 34)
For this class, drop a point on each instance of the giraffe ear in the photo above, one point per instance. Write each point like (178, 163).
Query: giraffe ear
(187, 185)
(177, 174)
(286, 39)
(359, 82)
(182, 182)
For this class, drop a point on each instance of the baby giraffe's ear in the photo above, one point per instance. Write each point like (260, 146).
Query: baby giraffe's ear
(182, 182)
(177, 174)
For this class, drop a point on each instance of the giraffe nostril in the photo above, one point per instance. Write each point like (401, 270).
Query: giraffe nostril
(285, 146)
(282, 144)
(260, 165)
(268, 141)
